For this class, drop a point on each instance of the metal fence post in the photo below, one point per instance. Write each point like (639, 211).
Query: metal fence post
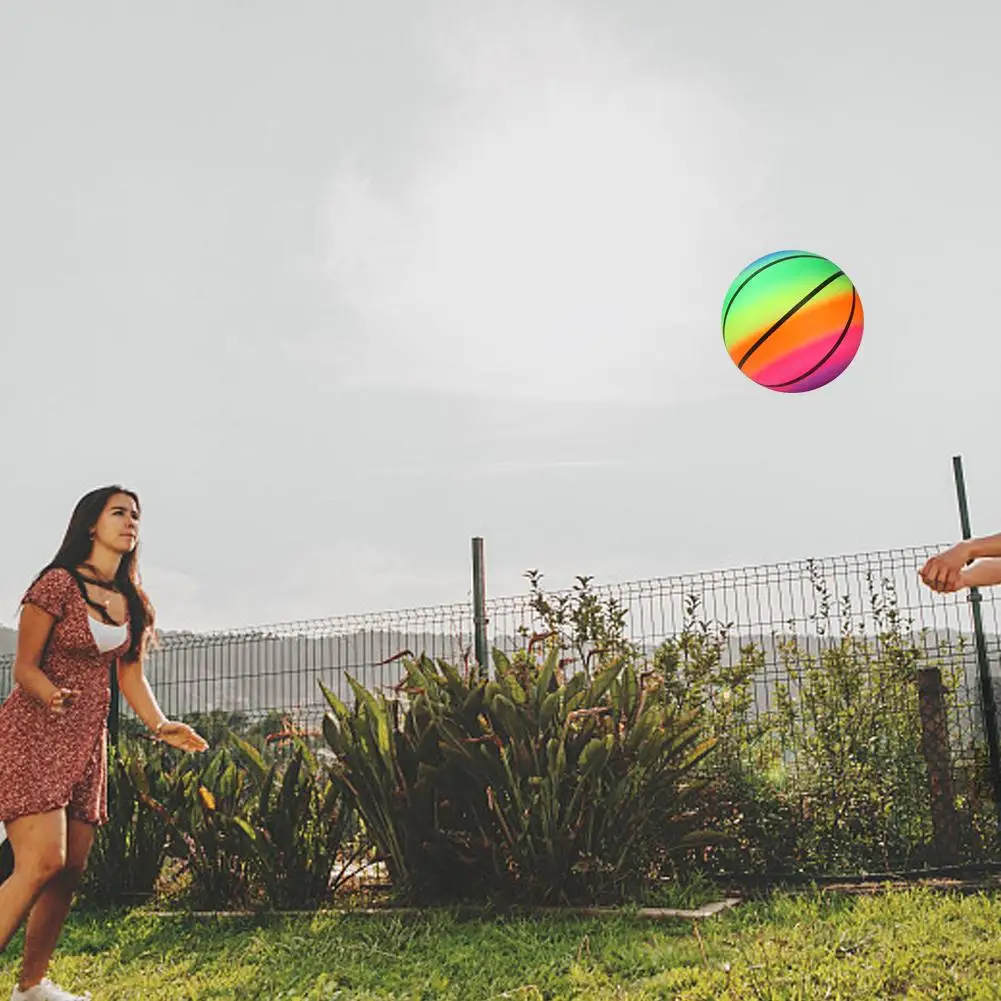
(480, 603)
(986, 684)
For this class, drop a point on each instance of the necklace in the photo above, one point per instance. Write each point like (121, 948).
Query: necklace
(101, 605)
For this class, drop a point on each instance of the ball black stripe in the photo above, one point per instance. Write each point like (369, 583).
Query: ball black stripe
(754, 274)
(827, 357)
(782, 319)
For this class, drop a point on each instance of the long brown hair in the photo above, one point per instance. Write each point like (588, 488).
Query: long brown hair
(75, 549)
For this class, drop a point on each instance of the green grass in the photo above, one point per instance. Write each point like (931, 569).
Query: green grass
(913, 944)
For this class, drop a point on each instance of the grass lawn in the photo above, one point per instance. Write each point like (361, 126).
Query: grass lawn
(901, 944)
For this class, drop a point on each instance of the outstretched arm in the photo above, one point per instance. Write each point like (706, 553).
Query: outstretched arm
(983, 573)
(950, 570)
(134, 686)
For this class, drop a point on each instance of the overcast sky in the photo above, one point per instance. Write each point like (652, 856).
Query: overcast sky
(337, 286)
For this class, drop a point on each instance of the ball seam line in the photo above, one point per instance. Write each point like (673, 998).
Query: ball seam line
(754, 274)
(827, 357)
(778, 323)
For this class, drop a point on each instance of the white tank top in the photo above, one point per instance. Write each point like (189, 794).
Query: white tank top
(107, 637)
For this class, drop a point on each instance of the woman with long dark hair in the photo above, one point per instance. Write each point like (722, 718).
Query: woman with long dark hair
(84, 614)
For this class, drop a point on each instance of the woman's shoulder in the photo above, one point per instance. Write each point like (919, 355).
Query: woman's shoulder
(54, 577)
(49, 590)
(56, 573)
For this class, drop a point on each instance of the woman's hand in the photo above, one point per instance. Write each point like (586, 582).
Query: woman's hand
(942, 573)
(61, 700)
(181, 736)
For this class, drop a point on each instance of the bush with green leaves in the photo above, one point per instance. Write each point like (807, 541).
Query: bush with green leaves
(830, 776)
(851, 711)
(129, 850)
(521, 788)
(248, 824)
(202, 809)
(300, 826)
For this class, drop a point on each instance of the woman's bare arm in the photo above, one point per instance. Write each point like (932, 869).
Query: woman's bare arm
(32, 635)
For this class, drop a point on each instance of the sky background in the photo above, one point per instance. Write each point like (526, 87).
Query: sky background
(338, 286)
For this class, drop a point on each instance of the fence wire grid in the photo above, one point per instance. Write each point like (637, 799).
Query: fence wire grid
(274, 672)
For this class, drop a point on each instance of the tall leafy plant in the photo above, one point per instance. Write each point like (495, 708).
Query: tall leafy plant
(205, 811)
(300, 826)
(523, 786)
(128, 853)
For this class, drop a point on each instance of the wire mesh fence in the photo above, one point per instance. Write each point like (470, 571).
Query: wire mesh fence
(819, 659)
(810, 605)
(277, 670)
(847, 702)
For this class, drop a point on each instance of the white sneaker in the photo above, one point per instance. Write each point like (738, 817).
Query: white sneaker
(47, 991)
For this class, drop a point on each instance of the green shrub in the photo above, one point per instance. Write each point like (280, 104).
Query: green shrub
(129, 850)
(830, 776)
(838, 762)
(205, 811)
(528, 787)
(300, 826)
(255, 825)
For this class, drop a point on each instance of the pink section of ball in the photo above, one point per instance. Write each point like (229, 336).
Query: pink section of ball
(792, 365)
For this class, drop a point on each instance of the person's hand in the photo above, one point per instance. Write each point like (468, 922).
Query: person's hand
(181, 736)
(942, 573)
(61, 700)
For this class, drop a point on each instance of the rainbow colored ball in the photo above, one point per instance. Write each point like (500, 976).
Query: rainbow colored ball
(792, 321)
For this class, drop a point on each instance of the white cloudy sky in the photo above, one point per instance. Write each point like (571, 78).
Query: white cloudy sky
(337, 286)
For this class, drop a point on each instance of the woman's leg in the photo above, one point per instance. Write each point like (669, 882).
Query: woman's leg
(39, 844)
(45, 922)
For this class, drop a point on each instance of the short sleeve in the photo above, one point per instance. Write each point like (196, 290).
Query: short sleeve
(49, 592)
